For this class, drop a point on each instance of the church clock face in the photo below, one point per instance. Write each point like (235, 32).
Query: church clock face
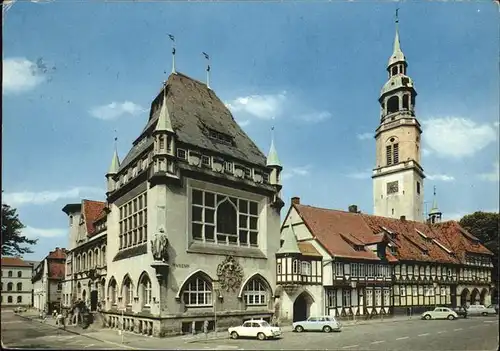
(392, 187)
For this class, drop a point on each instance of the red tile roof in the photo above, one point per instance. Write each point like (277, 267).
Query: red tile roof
(14, 262)
(91, 211)
(58, 253)
(459, 240)
(340, 231)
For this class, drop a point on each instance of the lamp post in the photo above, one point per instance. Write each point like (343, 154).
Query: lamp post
(435, 285)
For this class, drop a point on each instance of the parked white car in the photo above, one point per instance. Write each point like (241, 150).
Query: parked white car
(440, 313)
(259, 329)
(480, 310)
(321, 323)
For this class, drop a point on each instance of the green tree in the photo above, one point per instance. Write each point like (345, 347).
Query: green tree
(13, 242)
(484, 226)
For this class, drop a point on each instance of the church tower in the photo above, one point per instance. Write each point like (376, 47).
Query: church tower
(398, 178)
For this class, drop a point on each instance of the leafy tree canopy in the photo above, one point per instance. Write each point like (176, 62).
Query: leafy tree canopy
(13, 242)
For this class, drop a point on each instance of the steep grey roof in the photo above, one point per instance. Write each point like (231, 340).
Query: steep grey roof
(194, 111)
(115, 163)
(397, 54)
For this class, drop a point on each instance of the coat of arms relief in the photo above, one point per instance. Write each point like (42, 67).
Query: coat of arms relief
(230, 274)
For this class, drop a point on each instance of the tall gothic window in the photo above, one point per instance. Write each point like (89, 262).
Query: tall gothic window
(198, 292)
(127, 291)
(145, 292)
(223, 219)
(255, 292)
(112, 291)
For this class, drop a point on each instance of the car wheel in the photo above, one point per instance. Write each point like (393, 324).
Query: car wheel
(261, 336)
(299, 329)
(234, 335)
(327, 329)
(427, 316)
(451, 317)
(485, 313)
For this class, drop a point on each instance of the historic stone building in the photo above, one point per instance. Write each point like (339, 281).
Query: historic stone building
(85, 273)
(353, 265)
(48, 277)
(17, 288)
(193, 219)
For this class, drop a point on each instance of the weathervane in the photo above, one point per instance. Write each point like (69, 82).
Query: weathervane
(116, 140)
(208, 68)
(173, 52)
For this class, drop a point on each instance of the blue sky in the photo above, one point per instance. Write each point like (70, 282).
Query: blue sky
(317, 68)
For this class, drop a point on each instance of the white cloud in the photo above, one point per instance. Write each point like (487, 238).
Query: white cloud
(243, 123)
(441, 177)
(494, 175)
(366, 174)
(260, 106)
(426, 152)
(31, 232)
(315, 117)
(115, 110)
(365, 136)
(21, 74)
(44, 197)
(457, 137)
(295, 171)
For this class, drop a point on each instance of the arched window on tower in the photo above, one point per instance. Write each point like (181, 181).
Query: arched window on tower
(394, 70)
(393, 104)
(406, 102)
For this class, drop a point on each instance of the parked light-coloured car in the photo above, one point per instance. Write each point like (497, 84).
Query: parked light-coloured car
(321, 323)
(480, 310)
(259, 329)
(20, 309)
(440, 313)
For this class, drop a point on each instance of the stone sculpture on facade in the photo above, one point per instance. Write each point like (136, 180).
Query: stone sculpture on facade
(159, 249)
(230, 274)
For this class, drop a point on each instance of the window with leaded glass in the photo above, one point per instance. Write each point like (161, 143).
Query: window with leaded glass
(145, 285)
(133, 222)
(127, 291)
(223, 219)
(306, 268)
(255, 292)
(198, 292)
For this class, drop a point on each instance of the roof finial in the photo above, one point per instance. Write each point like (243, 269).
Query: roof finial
(173, 52)
(272, 156)
(208, 68)
(116, 141)
(434, 191)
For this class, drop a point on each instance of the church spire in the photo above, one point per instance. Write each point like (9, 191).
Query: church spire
(272, 156)
(164, 121)
(115, 161)
(434, 214)
(397, 53)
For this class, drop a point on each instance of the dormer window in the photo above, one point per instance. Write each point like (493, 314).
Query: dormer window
(220, 137)
(228, 166)
(181, 153)
(266, 177)
(205, 160)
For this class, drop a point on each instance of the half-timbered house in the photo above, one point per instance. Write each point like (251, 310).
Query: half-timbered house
(375, 266)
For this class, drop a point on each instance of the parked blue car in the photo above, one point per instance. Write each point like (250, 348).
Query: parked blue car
(321, 323)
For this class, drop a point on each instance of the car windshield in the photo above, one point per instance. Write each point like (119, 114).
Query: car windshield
(264, 324)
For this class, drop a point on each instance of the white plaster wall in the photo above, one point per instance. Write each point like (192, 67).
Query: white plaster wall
(406, 202)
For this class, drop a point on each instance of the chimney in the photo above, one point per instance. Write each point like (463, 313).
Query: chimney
(353, 208)
(403, 218)
(295, 200)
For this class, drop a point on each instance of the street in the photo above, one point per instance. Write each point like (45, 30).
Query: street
(480, 333)
(477, 333)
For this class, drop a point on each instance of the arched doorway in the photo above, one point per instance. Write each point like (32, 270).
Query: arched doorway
(84, 296)
(465, 297)
(474, 297)
(302, 306)
(482, 299)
